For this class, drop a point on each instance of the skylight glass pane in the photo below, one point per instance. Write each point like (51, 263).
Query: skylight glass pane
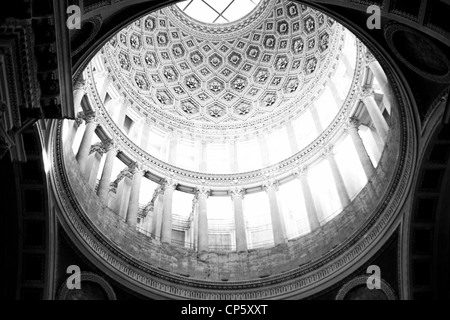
(182, 5)
(200, 11)
(220, 5)
(238, 9)
(217, 11)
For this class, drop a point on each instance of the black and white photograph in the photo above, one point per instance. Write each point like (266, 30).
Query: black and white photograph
(225, 154)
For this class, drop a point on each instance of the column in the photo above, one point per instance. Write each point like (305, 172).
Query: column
(311, 210)
(234, 166)
(79, 90)
(119, 117)
(133, 205)
(202, 156)
(105, 180)
(381, 77)
(316, 119)
(172, 149)
(348, 66)
(292, 138)
(375, 114)
(95, 156)
(166, 227)
(278, 228)
(195, 226)
(203, 240)
(334, 91)
(122, 184)
(157, 213)
(337, 176)
(104, 87)
(145, 135)
(264, 150)
(85, 146)
(377, 71)
(363, 156)
(73, 130)
(237, 195)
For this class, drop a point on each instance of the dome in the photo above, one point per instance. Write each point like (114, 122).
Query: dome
(263, 74)
(236, 149)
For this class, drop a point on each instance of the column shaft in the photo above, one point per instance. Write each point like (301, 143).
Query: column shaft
(377, 117)
(292, 138)
(278, 228)
(311, 209)
(239, 224)
(264, 150)
(93, 172)
(316, 119)
(361, 151)
(233, 157)
(379, 74)
(340, 185)
(85, 146)
(105, 180)
(166, 227)
(203, 239)
(133, 206)
(145, 136)
(157, 216)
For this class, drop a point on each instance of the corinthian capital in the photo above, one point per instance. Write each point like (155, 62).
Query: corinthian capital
(90, 117)
(237, 192)
(203, 192)
(353, 123)
(328, 150)
(366, 92)
(98, 147)
(369, 57)
(80, 84)
(301, 171)
(170, 184)
(270, 185)
(136, 167)
(110, 144)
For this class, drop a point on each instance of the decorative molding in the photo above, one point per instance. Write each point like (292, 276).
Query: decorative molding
(64, 291)
(394, 28)
(362, 280)
(99, 148)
